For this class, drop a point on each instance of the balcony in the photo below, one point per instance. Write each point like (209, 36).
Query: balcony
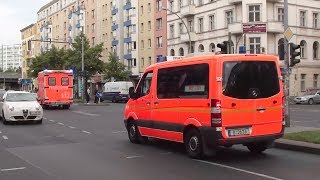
(127, 40)
(275, 27)
(115, 42)
(127, 6)
(114, 11)
(127, 23)
(235, 28)
(114, 27)
(184, 38)
(128, 56)
(235, 1)
(70, 28)
(188, 10)
(70, 15)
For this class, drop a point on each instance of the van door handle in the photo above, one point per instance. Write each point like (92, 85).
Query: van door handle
(261, 109)
(156, 103)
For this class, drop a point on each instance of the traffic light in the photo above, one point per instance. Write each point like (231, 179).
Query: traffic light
(224, 47)
(294, 54)
(29, 45)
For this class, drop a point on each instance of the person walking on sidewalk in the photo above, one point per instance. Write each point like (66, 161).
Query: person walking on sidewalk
(88, 95)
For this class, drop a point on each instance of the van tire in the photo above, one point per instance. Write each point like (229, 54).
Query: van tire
(258, 147)
(133, 133)
(193, 144)
(310, 102)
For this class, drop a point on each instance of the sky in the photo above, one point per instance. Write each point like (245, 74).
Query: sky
(16, 15)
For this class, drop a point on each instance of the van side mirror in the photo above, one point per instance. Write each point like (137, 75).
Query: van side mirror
(132, 94)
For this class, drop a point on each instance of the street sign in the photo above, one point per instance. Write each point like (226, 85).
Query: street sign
(288, 34)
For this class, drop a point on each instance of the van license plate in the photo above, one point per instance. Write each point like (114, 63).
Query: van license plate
(239, 132)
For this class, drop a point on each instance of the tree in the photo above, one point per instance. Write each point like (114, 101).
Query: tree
(92, 55)
(54, 59)
(115, 69)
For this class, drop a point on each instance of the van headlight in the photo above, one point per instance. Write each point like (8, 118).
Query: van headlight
(10, 107)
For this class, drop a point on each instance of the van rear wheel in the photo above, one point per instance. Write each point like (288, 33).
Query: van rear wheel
(193, 144)
(258, 147)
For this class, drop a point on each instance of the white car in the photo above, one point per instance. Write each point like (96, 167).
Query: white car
(20, 106)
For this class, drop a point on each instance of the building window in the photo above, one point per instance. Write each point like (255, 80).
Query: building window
(149, 60)
(159, 42)
(212, 47)
(172, 52)
(149, 7)
(171, 5)
(315, 20)
(141, 10)
(315, 80)
(229, 17)
(303, 46)
(181, 52)
(303, 18)
(190, 23)
(316, 50)
(200, 2)
(141, 27)
(280, 14)
(149, 43)
(159, 5)
(303, 82)
(142, 62)
(181, 28)
(180, 4)
(159, 24)
(201, 48)
(142, 44)
(281, 48)
(149, 25)
(92, 13)
(93, 42)
(171, 31)
(93, 27)
(255, 44)
(200, 21)
(211, 22)
(254, 13)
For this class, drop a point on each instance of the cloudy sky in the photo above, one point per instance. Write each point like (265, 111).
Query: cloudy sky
(15, 15)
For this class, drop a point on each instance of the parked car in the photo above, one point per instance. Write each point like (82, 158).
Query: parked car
(311, 97)
(20, 106)
(116, 91)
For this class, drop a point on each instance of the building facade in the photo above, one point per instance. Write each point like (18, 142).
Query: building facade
(10, 57)
(160, 28)
(256, 26)
(27, 33)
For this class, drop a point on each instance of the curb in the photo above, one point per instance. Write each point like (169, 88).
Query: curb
(297, 146)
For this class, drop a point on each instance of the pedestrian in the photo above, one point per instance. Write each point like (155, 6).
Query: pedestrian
(88, 95)
(96, 95)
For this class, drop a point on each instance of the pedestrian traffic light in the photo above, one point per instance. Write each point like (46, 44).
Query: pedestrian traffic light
(294, 54)
(224, 47)
(29, 45)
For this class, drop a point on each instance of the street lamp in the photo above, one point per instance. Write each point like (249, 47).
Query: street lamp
(166, 9)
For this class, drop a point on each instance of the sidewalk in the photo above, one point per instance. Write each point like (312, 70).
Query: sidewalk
(298, 145)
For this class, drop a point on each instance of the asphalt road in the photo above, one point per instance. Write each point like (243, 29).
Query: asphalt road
(90, 142)
(305, 115)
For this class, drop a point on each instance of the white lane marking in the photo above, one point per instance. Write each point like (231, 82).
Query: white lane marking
(71, 127)
(131, 157)
(84, 113)
(13, 169)
(61, 124)
(51, 120)
(0, 132)
(5, 137)
(116, 132)
(241, 170)
(87, 132)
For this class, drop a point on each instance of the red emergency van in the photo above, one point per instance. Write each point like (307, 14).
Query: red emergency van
(55, 88)
(209, 101)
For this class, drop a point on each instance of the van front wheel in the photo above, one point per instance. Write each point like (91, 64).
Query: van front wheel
(193, 144)
(257, 147)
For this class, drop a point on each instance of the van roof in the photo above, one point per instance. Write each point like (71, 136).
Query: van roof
(206, 57)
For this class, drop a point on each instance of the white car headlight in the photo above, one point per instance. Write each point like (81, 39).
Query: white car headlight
(38, 107)
(11, 108)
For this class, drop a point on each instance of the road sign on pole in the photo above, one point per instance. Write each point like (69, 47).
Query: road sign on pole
(288, 34)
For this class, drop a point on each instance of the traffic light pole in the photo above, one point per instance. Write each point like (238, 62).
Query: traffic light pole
(287, 67)
(82, 69)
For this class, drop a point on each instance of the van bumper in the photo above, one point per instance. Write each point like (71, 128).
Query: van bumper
(214, 138)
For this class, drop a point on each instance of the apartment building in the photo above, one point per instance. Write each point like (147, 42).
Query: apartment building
(10, 56)
(27, 33)
(103, 24)
(160, 28)
(256, 25)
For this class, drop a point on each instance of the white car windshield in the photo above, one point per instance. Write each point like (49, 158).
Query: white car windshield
(18, 97)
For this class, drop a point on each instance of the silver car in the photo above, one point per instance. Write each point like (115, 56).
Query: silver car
(309, 98)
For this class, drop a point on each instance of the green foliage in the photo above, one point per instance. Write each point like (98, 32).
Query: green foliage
(115, 69)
